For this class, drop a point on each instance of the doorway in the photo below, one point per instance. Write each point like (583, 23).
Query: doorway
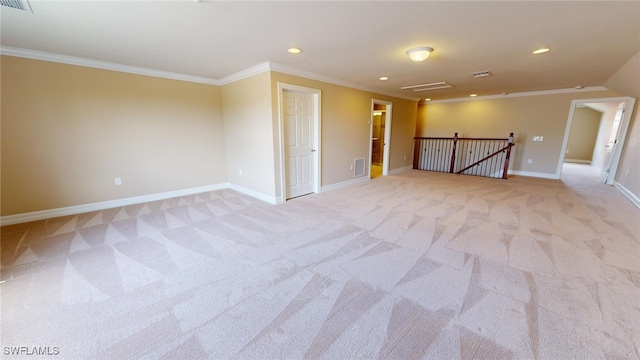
(300, 150)
(612, 130)
(380, 135)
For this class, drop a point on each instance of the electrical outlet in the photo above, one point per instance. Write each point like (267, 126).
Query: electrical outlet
(626, 173)
(530, 161)
(405, 157)
(351, 167)
(118, 181)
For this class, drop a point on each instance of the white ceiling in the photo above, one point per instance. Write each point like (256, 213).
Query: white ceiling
(352, 42)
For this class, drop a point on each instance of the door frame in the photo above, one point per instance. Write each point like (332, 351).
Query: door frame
(624, 126)
(317, 106)
(386, 142)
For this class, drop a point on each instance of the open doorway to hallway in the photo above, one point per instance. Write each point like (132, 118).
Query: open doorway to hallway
(595, 134)
(380, 138)
(580, 172)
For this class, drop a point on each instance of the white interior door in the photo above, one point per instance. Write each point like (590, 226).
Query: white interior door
(301, 153)
(612, 144)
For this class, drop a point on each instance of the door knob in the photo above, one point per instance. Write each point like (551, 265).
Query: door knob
(313, 150)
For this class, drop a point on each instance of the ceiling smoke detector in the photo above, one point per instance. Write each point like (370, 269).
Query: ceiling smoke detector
(479, 74)
(17, 4)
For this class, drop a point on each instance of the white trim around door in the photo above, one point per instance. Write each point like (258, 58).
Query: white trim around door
(387, 134)
(316, 164)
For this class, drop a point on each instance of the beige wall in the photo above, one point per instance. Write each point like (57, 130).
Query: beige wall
(583, 134)
(68, 131)
(249, 134)
(540, 115)
(627, 81)
(346, 113)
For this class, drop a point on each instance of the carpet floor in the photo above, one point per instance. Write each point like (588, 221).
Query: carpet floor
(417, 265)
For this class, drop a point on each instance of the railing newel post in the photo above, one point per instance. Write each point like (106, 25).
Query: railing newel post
(453, 153)
(416, 151)
(506, 160)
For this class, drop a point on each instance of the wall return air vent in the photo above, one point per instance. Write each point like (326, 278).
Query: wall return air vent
(358, 168)
(17, 4)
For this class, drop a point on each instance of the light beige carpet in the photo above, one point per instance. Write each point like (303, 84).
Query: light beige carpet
(414, 266)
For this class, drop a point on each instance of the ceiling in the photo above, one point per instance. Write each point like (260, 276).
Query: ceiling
(351, 42)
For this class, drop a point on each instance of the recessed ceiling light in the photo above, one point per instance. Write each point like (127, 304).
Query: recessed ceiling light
(294, 50)
(541, 51)
(383, 78)
(473, 95)
(427, 99)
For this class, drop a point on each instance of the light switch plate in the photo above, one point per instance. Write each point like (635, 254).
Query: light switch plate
(537, 138)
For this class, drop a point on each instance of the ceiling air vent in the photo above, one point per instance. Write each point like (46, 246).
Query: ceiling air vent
(430, 86)
(17, 4)
(479, 74)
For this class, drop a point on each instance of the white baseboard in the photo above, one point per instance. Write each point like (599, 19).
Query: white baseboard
(534, 174)
(255, 194)
(577, 161)
(628, 194)
(78, 209)
(343, 184)
(400, 170)
(102, 205)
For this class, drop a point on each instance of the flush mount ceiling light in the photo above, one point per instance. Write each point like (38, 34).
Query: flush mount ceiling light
(419, 53)
(384, 78)
(294, 50)
(541, 51)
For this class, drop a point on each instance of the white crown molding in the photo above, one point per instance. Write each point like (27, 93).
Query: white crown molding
(331, 80)
(628, 194)
(254, 70)
(71, 60)
(521, 94)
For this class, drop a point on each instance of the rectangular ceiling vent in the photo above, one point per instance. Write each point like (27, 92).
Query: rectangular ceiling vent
(17, 4)
(480, 74)
(430, 86)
